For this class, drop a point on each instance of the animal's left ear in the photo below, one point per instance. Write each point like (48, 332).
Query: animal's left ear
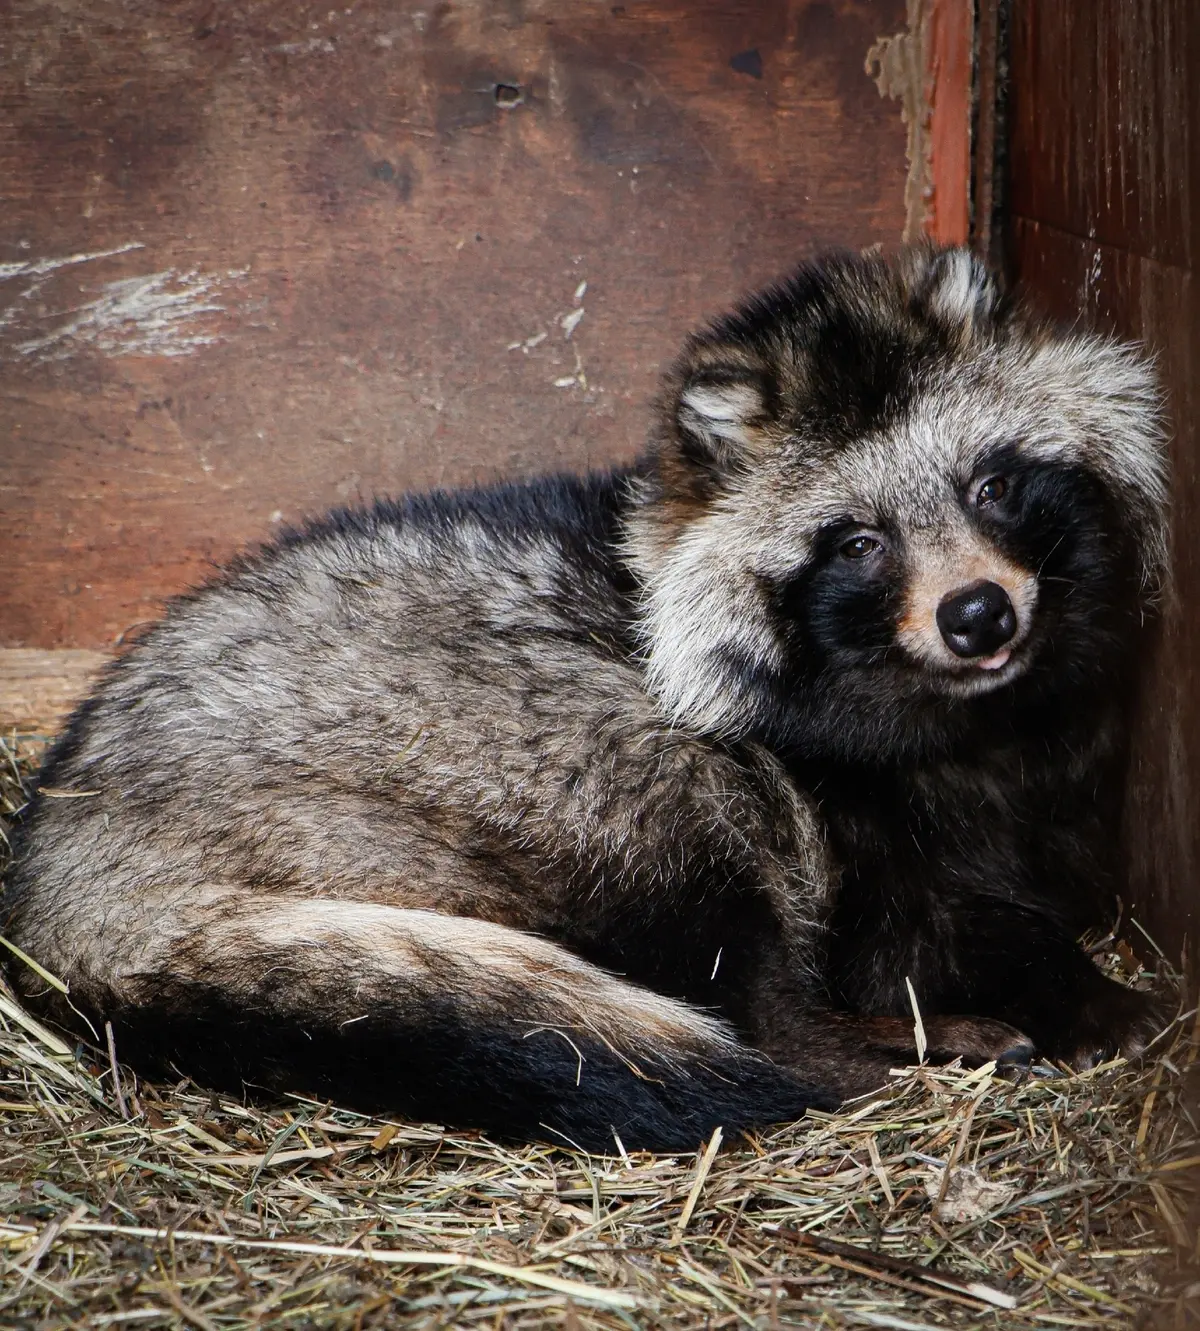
(722, 399)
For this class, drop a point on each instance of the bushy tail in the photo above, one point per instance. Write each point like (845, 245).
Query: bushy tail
(439, 1018)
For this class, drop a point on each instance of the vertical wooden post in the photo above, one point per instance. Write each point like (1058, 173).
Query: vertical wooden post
(929, 69)
(949, 88)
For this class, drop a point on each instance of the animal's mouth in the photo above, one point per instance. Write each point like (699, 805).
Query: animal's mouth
(985, 674)
(997, 661)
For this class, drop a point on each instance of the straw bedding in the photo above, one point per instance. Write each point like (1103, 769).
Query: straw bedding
(947, 1199)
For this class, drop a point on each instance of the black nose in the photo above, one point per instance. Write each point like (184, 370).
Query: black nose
(977, 620)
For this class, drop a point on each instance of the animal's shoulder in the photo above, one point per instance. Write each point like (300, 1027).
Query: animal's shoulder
(370, 614)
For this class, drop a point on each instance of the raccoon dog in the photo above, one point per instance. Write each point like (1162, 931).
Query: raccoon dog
(628, 802)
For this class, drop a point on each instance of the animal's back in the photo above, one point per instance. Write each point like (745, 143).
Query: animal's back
(379, 750)
(298, 725)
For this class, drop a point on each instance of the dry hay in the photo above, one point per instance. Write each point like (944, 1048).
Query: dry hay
(949, 1199)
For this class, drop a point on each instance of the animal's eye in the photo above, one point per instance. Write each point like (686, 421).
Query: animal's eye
(991, 491)
(859, 547)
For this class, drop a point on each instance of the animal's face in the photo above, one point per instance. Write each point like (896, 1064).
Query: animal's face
(879, 496)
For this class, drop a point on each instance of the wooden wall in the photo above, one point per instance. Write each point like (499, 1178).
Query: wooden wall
(262, 256)
(1104, 188)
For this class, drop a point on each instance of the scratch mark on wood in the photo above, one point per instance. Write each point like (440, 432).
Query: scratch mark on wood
(151, 315)
(313, 46)
(39, 267)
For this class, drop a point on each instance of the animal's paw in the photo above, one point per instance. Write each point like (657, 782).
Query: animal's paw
(871, 1046)
(977, 1040)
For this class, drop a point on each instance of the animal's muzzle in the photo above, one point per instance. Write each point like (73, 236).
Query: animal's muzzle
(977, 620)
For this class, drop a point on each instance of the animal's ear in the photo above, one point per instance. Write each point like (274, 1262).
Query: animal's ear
(722, 402)
(958, 289)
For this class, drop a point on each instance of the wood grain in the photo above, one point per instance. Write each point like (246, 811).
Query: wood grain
(1105, 189)
(260, 257)
(950, 85)
(38, 689)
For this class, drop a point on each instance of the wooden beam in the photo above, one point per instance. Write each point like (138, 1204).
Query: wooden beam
(929, 68)
(39, 689)
(949, 80)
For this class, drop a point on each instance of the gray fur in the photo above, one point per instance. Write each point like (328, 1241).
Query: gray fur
(436, 755)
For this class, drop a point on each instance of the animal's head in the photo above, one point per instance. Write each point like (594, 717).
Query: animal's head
(880, 496)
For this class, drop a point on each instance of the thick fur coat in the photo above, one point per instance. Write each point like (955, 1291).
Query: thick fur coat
(628, 803)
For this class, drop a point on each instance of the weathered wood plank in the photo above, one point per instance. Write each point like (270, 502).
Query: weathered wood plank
(266, 256)
(39, 689)
(1106, 189)
(950, 83)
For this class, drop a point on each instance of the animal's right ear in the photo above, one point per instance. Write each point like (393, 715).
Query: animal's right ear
(721, 405)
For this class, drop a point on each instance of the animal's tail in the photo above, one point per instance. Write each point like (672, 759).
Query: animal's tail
(440, 1018)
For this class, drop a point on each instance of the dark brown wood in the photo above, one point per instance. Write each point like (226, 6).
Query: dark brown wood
(1105, 190)
(261, 257)
(989, 133)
